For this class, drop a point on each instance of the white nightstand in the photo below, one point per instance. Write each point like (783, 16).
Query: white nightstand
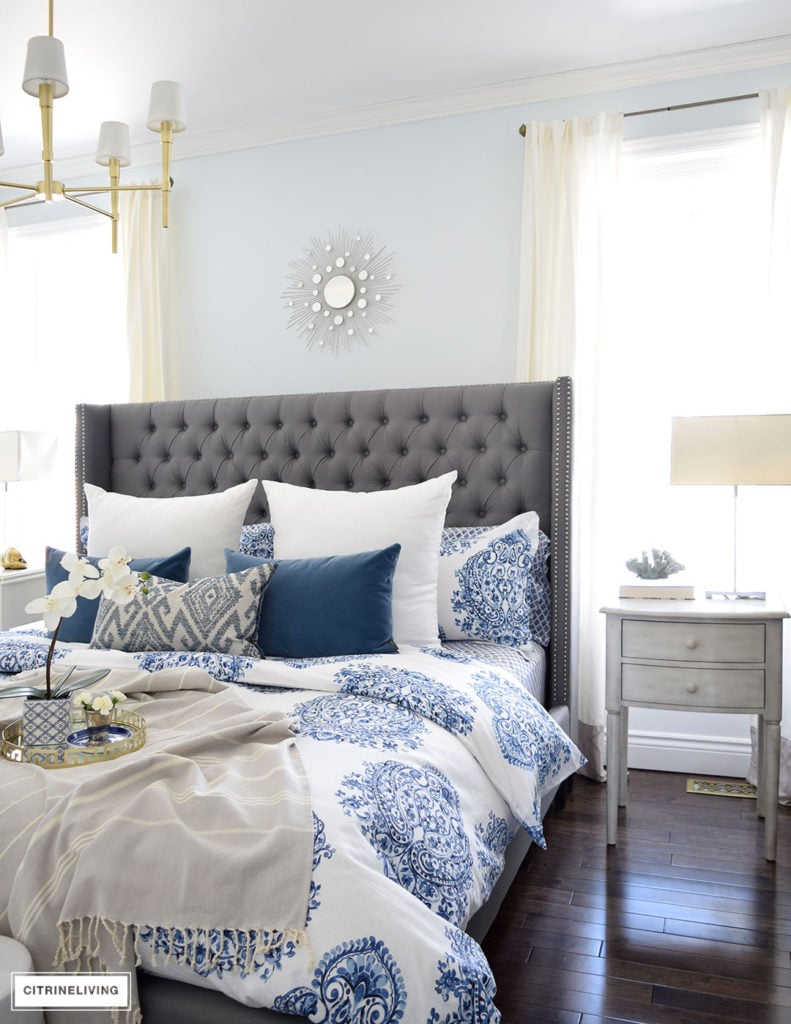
(723, 656)
(17, 587)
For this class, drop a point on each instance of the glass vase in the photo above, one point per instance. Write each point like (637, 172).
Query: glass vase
(98, 723)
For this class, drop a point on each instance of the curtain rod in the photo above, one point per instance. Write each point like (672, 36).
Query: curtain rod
(676, 106)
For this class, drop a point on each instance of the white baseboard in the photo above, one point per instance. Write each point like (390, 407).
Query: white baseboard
(682, 752)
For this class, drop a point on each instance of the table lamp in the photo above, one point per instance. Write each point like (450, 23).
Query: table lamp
(735, 450)
(24, 455)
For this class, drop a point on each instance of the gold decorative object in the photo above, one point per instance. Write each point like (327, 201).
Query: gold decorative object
(45, 77)
(12, 558)
(13, 749)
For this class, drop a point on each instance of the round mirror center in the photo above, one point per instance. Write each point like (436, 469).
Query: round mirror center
(339, 291)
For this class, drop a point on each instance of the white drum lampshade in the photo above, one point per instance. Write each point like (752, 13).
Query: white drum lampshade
(45, 64)
(731, 450)
(26, 454)
(113, 144)
(167, 104)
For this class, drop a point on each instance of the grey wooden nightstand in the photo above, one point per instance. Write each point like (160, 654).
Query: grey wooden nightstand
(723, 656)
(17, 587)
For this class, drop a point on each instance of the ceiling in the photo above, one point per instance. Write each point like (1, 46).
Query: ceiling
(259, 70)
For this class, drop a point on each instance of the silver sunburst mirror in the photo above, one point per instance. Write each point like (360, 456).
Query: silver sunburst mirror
(340, 291)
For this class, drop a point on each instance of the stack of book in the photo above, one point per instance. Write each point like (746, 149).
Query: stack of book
(658, 589)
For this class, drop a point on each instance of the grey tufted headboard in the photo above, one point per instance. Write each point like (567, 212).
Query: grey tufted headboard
(510, 443)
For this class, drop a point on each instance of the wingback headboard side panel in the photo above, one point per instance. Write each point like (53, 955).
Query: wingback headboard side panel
(509, 443)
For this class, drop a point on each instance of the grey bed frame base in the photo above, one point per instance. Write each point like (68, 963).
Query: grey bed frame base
(509, 443)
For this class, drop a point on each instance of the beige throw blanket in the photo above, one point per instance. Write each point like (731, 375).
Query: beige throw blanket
(207, 826)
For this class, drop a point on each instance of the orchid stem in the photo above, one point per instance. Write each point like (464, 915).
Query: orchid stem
(49, 657)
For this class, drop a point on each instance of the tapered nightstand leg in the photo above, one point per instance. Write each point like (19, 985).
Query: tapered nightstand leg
(770, 784)
(760, 808)
(623, 771)
(613, 773)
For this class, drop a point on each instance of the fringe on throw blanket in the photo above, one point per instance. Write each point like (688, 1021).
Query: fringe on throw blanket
(82, 944)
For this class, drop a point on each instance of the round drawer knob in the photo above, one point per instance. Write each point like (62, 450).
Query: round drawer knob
(692, 687)
(692, 643)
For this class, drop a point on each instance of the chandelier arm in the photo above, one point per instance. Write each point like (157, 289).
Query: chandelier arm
(14, 184)
(19, 199)
(88, 206)
(85, 190)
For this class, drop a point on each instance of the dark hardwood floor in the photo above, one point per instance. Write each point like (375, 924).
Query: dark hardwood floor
(683, 922)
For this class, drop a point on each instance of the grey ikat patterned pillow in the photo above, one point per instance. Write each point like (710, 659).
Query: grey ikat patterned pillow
(219, 614)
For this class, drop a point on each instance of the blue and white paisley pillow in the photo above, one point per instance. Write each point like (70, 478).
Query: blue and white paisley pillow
(258, 540)
(493, 583)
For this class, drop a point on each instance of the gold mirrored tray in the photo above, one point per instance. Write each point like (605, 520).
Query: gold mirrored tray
(81, 751)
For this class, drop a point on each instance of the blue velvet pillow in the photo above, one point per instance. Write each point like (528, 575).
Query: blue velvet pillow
(78, 628)
(323, 607)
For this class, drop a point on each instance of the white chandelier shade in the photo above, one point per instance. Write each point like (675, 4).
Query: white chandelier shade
(45, 65)
(166, 106)
(45, 77)
(113, 144)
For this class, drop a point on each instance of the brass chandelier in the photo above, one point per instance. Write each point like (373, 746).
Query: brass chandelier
(45, 77)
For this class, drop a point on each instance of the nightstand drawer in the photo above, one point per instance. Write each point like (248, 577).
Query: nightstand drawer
(720, 689)
(16, 590)
(694, 641)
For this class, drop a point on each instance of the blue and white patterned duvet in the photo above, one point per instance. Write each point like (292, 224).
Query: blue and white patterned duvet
(421, 765)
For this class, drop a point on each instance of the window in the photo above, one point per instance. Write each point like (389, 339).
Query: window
(63, 342)
(690, 335)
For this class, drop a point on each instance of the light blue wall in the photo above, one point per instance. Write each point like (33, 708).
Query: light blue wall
(443, 195)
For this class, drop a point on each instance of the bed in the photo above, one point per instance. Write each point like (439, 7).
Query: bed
(497, 453)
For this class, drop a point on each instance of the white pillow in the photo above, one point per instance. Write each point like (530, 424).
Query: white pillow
(148, 527)
(309, 523)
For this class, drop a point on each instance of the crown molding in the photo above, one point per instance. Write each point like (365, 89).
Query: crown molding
(604, 78)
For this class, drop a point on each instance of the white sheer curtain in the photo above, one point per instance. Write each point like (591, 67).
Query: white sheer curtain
(775, 107)
(147, 254)
(570, 177)
(62, 343)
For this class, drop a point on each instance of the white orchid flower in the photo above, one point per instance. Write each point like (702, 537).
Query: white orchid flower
(84, 698)
(78, 568)
(117, 582)
(103, 703)
(89, 588)
(122, 590)
(113, 576)
(59, 604)
(116, 563)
